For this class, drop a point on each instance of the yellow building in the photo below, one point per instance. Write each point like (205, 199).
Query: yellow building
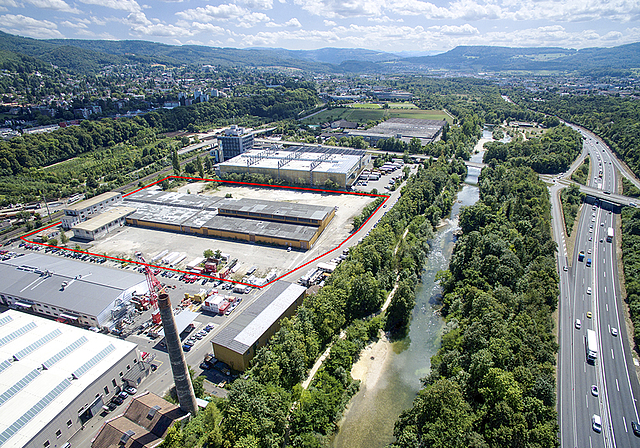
(237, 343)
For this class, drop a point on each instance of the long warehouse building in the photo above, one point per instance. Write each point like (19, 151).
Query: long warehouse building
(237, 343)
(87, 294)
(252, 220)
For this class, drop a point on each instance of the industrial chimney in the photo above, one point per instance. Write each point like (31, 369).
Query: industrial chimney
(184, 388)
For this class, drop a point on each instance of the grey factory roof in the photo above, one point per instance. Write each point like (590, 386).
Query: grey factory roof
(170, 214)
(245, 330)
(90, 288)
(159, 197)
(263, 228)
(272, 208)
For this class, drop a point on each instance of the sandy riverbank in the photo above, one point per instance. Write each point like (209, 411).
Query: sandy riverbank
(371, 363)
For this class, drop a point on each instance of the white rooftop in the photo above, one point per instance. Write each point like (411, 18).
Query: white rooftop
(30, 396)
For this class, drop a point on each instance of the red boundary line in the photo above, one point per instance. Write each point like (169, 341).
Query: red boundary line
(315, 190)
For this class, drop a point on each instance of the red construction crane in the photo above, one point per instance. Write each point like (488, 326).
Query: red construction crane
(155, 287)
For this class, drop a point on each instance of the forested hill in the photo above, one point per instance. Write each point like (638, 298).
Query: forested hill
(481, 58)
(88, 56)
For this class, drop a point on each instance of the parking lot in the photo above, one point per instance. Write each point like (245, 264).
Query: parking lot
(126, 241)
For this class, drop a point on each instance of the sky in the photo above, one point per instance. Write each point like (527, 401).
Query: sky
(414, 26)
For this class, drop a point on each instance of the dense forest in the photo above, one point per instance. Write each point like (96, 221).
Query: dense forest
(631, 262)
(123, 145)
(267, 407)
(492, 382)
(552, 153)
(615, 119)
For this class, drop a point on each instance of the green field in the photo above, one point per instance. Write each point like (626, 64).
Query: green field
(362, 115)
(402, 106)
(365, 106)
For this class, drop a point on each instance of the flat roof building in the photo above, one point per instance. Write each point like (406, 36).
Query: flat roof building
(312, 165)
(54, 377)
(86, 294)
(81, 211)
(428, 131)
(253, 220)
(237, 343)
(105, 222)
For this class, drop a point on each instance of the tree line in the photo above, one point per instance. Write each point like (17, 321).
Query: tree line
(492, 381)
(259, 410)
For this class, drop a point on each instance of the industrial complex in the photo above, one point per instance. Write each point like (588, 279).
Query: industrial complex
(69, 290)
(312, 165)
(237, 343)
(54, 377)
(253, 220)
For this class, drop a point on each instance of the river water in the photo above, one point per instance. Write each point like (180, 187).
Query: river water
(369, 418)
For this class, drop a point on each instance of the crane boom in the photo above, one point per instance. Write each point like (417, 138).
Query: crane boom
(155, 287)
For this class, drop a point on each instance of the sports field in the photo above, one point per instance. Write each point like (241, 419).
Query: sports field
(363, 115)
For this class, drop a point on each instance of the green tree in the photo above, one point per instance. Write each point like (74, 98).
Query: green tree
(175, 162)
(200, 167)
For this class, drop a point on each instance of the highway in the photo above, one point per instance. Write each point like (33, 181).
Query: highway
(594, 289)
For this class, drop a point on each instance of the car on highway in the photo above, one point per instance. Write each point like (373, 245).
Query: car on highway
(635, 427)
(578, 324)
(589, 290)
(589, 314)
(565, 268)
(594, 390)
(614, 331)
(596, 423)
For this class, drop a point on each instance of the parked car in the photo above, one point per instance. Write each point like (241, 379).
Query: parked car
(130, 390)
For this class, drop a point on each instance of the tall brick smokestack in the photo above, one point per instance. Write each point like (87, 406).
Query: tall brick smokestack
(181, 377)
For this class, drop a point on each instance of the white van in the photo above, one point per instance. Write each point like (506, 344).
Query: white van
(596, 423)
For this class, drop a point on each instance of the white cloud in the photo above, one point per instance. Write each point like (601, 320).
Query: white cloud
(56, 5)
(252, 19)
(204, 27)
(342, 9)
(140, 25)
(256, 4)
(452, 30)
(123, 5)
(329, 23)
(77, 24)
(212, 13)
(293, 23)
(28, 26)
(10, 3)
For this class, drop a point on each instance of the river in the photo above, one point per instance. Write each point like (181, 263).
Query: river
(391, 371)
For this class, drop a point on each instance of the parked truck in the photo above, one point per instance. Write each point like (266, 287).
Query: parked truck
(610, 234)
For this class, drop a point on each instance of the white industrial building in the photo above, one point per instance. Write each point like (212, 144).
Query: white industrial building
(87, 294)
(313, 165)
(101, 224)
(54, 377)
(83, 210)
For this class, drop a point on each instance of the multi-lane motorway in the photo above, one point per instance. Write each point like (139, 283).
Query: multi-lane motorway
(591, 295)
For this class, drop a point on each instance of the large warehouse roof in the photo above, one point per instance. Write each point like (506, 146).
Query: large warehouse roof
(248, 327)
(174, 199)
(263, 208)
(89, 290)
(263, 228)
(299, 158)
(33, 396)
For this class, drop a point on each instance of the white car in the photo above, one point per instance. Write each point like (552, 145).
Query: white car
(614, 331)
(589, 290)
(578, 324)
(596, 423)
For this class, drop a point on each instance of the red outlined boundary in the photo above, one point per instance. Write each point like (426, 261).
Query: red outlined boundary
(315, 190)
